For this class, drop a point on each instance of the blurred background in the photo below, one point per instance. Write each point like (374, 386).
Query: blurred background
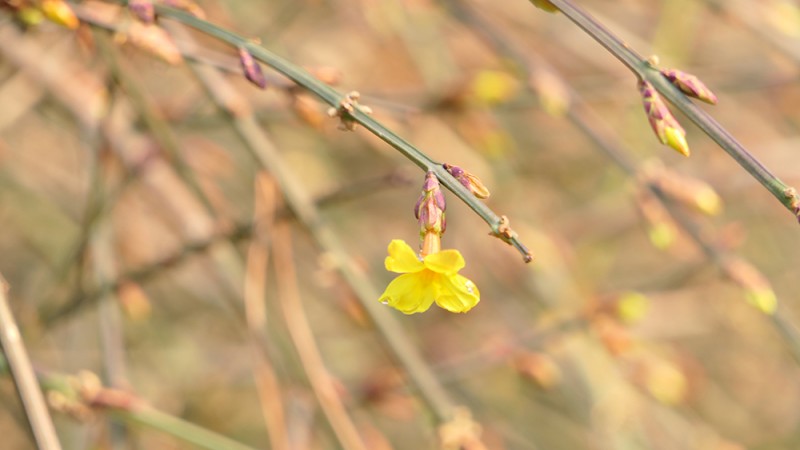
(143, 244)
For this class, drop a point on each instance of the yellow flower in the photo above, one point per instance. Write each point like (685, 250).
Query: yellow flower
(435, 278)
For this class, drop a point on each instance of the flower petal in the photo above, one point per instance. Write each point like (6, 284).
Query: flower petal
(446, 261)
(402, 259)
(457, 294)
(411, 292)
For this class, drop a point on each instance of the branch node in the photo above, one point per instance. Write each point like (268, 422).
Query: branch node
(794, 201)
(347, 106)
(504, 232)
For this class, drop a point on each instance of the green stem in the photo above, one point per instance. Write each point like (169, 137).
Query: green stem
(259, 144)
(605, 140)
(333, 98)
(643, 70)
(131, 409)
(181, 429)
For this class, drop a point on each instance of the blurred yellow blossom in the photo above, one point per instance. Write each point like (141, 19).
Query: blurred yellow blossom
(434, 278)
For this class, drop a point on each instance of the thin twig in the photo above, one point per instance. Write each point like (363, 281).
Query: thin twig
(236, 233)
(303, 338)
(333, 98)
(644, 70)
(83, 395)
(606, 141)
(166, 139)
(24, 377)
(109, 320)
(758, 27)
(269, 390)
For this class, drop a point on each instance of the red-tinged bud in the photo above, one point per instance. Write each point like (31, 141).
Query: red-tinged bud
(143, 10)
(758, 290)
(429, 211)
(540, 368)
(690, 85)
(660, 228)
(468, 180)
(554, 95)
(153, 39)
(251, 68)
(688, 190)
(666, 127)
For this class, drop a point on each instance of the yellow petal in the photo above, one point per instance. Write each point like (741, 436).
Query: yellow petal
(410, 293)
(402, 259)
(457, 293)
(446, 261)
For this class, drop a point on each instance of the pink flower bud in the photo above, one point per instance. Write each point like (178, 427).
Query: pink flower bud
(252, 70)
(468, 180)
(690, 85)
(430, 207)
(666, 127)
(143, 10)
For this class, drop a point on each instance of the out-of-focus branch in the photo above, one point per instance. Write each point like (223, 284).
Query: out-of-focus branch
(255, 286)
(83, 395)
(24, 377)
(303, 338)
(233, 234)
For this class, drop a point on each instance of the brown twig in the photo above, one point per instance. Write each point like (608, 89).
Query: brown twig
(303, 338)
(24, 377)
(255, 283)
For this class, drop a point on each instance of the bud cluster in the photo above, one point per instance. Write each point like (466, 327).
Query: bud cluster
(666, 127)
(429, 211)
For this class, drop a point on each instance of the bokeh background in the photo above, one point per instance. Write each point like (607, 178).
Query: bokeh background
(621, 334)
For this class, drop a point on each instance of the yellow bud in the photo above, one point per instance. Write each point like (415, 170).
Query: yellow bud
(707, 201)
(662, 235)
(58, 11)
(554, 96)
(545, 5)
(676, 139)
(784, 15)
(30, 16)
(632, 306)
(539, 368)
(665, 382)
(763, 299)
(492, 87)
(134, 301)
